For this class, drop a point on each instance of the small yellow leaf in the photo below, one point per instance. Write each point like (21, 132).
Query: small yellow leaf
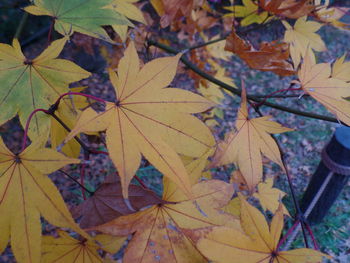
(301, 37)
(245, 146)
(269, 197)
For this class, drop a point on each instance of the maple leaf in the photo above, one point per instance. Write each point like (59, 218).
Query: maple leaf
(68, 111)
(331, 15)
(341, 69)
(257, 244)
(163, 233)
(269, 197)
(25, 195)
(317, 81)
(31, 84)
(270, 56)
(302, 37)
(149, 119)
(245, 147)
(66, 249)
(288, 8)
(175, 8)
(84, 16)
(107, 202)
(249, 11)
(126, 8)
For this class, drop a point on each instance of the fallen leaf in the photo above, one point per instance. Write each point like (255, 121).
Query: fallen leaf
(162, 233)
(66, 249)
(245, 146)
(84, 16)
(302, 37)
(26, 194)
(151, 120)
(108, 203)
(270, 56)
(269, 197)
(317, 81)
(258, 242)
(331, 15)
(30, 84)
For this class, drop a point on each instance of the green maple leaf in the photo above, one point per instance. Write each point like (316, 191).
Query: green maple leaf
(30, 84)
(84, 16)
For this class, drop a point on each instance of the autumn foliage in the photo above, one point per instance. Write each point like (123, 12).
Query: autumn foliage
(150, 122)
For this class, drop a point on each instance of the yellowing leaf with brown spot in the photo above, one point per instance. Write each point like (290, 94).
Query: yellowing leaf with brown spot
(30, 84)
(66, 249)
(149, 119)
(269, 197)
(257, 244)
(301, 37)
(163, 233)
(245, 147)
(317, 81)
(26, 194)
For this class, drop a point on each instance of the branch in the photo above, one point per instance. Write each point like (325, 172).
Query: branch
(237, 92)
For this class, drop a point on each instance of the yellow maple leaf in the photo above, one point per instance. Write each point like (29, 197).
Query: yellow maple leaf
(245, 146)
(249, 11)
(257, 244)
(66, 249)
(341, 69)
(269, 197)
(128, 9)
(317, 81)
(68, 111)
(301, 37)
(148, 119)
(26, 193)
(162, 233)
(30, 84)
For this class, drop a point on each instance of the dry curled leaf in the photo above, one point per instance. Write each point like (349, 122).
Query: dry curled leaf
(271, 56)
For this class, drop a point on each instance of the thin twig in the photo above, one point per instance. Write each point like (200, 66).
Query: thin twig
(25, 136)
(299, 214)
(76, 181)
(236, 91)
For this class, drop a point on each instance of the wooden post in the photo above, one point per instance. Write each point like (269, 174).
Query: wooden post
(334, 168)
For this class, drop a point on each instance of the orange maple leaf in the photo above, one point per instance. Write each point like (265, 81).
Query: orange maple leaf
(270, 57)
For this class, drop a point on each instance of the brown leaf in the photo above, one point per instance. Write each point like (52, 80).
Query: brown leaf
(288, 8)
(107, 203)
(272, 56)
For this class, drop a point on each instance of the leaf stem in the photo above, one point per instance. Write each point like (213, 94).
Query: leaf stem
(289, 232)
(25, 136)
(82, 173)
(79, 94)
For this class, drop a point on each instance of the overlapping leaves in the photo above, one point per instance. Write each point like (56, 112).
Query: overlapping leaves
(148, 119)
(30, 84)
(26, 193)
